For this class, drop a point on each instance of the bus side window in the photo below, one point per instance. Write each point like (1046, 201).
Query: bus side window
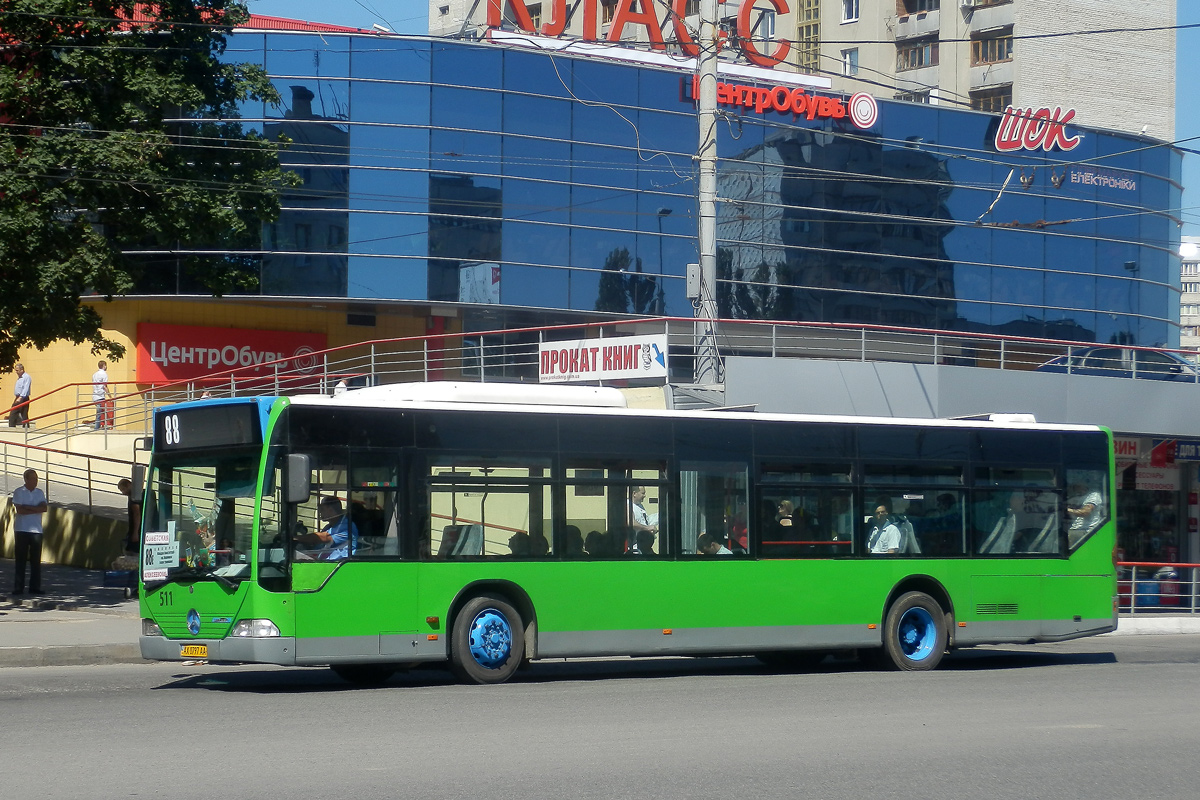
(919, 506)
(1087, 504)
(373, 514)
(496, 506)
(714, 498)
(995, 524)
(805, 511)
(806, 522)
(1020, 514)
(614, 509)
(1038, 523)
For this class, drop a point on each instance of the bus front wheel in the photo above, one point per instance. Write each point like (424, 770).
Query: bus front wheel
(914, 632)
(487, 642)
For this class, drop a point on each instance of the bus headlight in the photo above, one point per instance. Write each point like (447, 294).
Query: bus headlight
(150, 628)
(255, 629)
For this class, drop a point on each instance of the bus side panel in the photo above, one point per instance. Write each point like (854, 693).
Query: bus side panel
(645, 606)
(361, 613)
(1074, 596)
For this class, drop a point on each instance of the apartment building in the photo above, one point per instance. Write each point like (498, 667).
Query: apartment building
(989, 54)
(1189, 300)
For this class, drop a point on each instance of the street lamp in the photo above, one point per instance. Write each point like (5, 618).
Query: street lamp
(660, 301)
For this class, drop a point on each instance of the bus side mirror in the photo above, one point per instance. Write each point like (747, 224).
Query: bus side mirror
(299, 487)
(138, 479)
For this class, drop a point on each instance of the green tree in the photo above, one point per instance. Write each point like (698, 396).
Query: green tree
(119, 131)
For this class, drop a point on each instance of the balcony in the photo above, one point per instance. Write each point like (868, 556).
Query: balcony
(987, 75)
(923, 23)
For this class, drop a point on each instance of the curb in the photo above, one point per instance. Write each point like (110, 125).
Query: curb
(1129, 626)
(71, 655)
(72, 605)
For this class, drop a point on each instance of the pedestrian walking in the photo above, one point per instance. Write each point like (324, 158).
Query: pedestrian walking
(30, 503)
(19, 415)
(100, 392)
(133, 511)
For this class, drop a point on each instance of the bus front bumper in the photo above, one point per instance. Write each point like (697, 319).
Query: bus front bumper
(267, 650)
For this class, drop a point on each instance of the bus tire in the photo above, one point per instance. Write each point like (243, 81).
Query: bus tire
(365, 674)
(487, 642)
(914, 632)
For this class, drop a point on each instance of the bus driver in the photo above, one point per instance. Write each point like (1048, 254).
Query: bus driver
(338, 539)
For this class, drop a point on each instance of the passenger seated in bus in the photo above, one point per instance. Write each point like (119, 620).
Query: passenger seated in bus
(519, 544)
(573, 541)
(337, 539)
(643, 544)
(538, 546)
(783, 514)
(709, 545)
(884, 536)
(597, 544)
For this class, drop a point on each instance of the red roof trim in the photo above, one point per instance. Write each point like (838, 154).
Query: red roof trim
(260, 22)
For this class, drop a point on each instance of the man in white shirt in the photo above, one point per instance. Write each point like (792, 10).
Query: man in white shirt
(21, 392)
(29, 502)
(885, 536)
(709, 545)
(639, 518)
(100, 391)
(1085, 512)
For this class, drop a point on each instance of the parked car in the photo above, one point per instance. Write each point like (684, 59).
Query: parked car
(1124, 362)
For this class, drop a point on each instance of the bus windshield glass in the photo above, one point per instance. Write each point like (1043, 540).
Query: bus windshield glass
(199, 516)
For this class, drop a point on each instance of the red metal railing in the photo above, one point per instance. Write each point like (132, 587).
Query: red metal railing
(1158, 587)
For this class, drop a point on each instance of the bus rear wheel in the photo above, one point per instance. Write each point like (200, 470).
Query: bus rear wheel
(914, 632)
(487, 642)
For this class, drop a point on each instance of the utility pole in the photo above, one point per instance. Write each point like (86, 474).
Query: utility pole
(708, 366)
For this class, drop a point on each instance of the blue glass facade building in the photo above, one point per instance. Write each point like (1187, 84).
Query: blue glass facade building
(491, 176)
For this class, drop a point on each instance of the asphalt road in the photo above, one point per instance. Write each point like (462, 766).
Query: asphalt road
(1113, 717)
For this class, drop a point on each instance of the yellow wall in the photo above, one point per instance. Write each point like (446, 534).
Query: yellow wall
(74, 538)
(65, 369)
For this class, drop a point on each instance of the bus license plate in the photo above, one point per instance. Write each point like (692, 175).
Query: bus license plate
(193, 651)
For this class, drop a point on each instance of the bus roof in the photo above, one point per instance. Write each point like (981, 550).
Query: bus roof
(593, 399)
(520, 394)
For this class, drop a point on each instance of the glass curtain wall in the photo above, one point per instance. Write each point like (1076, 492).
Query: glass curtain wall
(471, 173)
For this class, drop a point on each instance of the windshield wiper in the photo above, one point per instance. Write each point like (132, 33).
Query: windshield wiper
(196, 573)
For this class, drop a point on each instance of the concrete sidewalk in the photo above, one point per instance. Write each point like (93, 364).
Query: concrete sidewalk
(78, 620)
(81, 621)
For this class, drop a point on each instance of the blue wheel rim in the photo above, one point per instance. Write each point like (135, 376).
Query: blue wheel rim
(917, 634)
(491, 638)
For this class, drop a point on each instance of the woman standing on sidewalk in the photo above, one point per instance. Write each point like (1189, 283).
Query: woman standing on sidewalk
(30, 503)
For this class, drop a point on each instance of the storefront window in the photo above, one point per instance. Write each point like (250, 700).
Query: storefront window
(1147, 519)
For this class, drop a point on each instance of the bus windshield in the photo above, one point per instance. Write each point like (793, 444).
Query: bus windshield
(199, 516)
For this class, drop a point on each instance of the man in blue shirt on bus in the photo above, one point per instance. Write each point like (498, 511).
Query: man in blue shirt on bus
(338, 539)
